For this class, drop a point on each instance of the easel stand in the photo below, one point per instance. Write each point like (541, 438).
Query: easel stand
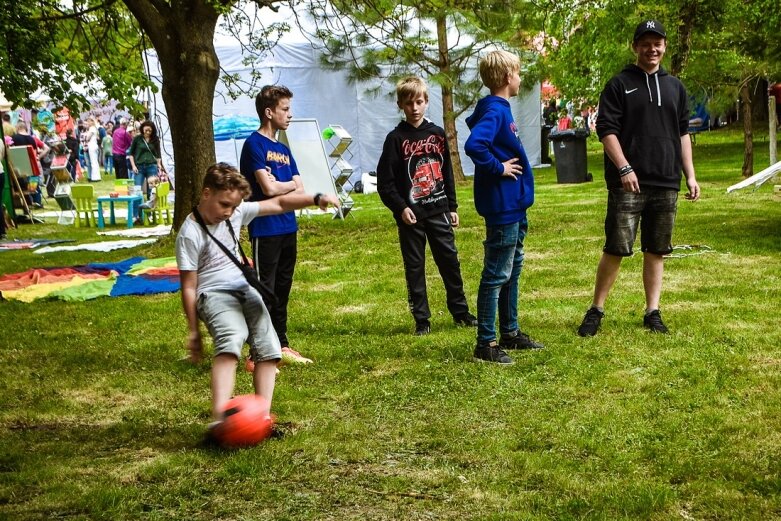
(341, 168)
(19, 195)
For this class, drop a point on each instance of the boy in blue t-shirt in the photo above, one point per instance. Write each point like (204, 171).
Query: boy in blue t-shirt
(504, 189)
(271, 170)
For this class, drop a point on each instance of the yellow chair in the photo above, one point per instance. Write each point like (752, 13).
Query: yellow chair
(84, 197)
(161, 206)
(122, 186)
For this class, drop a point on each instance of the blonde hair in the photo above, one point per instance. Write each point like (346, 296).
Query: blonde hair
(224, 176)
(411, 87)
(495, 66)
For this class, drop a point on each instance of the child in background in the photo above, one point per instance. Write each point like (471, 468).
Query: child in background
(415, 181)
(504, 189)
(108, 157)
(152, 183)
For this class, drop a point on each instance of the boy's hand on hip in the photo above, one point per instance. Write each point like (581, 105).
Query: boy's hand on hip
(512, 168)
(408, 216)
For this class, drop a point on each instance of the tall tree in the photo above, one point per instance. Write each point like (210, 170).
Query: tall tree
(52, 44)
(721, 49)
(437, 39)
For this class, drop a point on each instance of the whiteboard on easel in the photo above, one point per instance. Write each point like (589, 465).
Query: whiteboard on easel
(22, 159)
(305, 143)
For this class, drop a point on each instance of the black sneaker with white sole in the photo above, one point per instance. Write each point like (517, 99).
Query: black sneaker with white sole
(422, 328)
(491, 353)
(591, 322)
(518, 340)
(653, 322)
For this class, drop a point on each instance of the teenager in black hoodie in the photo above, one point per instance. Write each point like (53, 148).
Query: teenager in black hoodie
(642, 123)
(415, 181)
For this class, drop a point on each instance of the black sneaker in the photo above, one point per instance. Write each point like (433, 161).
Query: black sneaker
(518, 340)
(422, 328)
(591, 322)
(466, 320)
(210, 439)
(491, 353)
(653, 322)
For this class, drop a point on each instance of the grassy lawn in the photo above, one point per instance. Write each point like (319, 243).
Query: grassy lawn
(102, 419)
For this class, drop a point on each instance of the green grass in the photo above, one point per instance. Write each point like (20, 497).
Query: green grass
(101, 418)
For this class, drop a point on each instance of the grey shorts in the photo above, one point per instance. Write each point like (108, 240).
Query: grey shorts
(236, 317)
(653, 208)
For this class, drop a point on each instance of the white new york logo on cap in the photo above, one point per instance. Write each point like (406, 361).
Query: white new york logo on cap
(650, 25)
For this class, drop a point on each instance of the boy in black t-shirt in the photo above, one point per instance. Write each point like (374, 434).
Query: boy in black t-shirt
(415, 181)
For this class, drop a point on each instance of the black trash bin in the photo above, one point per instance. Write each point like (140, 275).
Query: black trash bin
(569, 152)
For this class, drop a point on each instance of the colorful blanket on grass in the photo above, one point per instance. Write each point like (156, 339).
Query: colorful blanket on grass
(134, 276)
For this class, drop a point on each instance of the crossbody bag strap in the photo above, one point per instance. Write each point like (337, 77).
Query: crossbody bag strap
(220, 244)
(238, 244)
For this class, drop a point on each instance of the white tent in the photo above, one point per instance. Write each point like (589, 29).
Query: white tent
(329, 98)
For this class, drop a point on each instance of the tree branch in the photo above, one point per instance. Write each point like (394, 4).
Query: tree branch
(77, 15)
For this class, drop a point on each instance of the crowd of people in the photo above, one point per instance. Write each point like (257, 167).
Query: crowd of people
(415, 182)
(89, 149)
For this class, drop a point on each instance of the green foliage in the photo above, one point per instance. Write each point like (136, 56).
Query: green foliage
(74, 53)
(102, 419)
(256, 38)
(730, 42)
(393, 39)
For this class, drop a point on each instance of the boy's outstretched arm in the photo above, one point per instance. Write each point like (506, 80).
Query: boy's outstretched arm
(296, 201)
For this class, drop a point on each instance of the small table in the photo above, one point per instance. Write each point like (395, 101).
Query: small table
(133, 202)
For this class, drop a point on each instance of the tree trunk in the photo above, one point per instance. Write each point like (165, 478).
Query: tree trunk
(448, 114)
(182, 33)
(687, 15)
(748, 135)
(189, 81)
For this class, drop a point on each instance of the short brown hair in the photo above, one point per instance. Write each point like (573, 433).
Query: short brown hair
(224, 176)
(411, 87)
(269, 97)
(495, 66)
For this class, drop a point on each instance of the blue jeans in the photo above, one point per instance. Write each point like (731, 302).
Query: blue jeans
(145, 171)
(108, 162)
(502, 265)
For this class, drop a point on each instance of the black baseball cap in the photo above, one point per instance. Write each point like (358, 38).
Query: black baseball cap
(650, 26)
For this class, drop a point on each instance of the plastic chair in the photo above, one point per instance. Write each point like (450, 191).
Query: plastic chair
(84, 196)
(161, 206)
(122, 186)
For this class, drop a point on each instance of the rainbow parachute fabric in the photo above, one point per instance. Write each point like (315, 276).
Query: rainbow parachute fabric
(134, 276)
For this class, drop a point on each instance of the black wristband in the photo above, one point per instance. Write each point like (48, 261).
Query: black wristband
(318, 195)
(625, 170)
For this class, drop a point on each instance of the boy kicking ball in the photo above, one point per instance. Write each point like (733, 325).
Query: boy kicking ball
(215, 290)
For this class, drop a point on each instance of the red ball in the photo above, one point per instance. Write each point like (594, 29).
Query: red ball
(246, 421)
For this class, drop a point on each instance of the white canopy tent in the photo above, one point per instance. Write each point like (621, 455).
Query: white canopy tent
(329, 98)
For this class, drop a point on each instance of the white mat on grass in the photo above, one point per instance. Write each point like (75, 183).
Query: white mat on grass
(163, 229)
(97, 246)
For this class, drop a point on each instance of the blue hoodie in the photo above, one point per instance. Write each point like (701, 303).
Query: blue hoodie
(494, 140)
